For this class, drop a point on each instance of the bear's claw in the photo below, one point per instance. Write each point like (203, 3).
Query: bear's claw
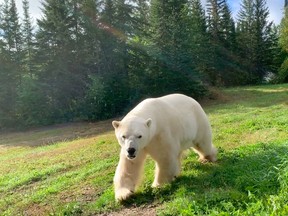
(123, 194)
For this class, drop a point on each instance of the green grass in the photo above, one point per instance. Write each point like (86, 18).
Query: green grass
(68, 169)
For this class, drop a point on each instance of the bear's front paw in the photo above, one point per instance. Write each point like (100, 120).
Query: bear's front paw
(156, 184)
(208, 158)
(123, 194)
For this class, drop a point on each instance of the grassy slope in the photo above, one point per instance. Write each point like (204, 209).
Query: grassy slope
(74, 177)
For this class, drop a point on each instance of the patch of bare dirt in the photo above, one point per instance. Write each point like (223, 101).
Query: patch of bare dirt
(85, 195)
(37, 210)
(149, 210)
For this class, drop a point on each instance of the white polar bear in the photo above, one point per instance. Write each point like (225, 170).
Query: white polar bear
(163, 128)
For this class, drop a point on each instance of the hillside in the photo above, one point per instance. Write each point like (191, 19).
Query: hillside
(68, 169)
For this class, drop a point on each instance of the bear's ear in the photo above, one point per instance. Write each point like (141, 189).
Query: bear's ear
(148, 122)
(116, 124)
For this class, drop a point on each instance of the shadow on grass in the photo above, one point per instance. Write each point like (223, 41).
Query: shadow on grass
(238, 173)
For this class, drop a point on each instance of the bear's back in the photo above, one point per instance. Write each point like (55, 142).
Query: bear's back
(173, 107)
(179, 101)
(169, 103)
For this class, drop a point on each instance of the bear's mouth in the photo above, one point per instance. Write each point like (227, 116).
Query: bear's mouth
(131, 157)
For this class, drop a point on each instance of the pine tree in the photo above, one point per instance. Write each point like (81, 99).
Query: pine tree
(120, 27)
(26, 91)
(221, 25)
(199, 40)
(254, 39)
(139, 60)
(173, 69)
(109, 88)
(141, 14)
(214, 11)
(245, 35)
(60, 74)
(262, 32)
(10, 61)
(28, 39)
(11, 30)
(221, 28)
(228, 28)
(283, 42)
(99, 43)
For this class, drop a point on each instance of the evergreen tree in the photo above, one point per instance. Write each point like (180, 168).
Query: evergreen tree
(10, 61)
(111, 83)
(173, 69)
(60, 76)
(199, 40)
(141, 14)
(221, 25)
(221, 29)
(214, 11)
(11, 30)
(245, 32)
(228, 28)
(123, 23)
(254, 38)
(263, 46)
(27, 98)
(28, 39)
(139, 60)
(283, 42)
(98, 47)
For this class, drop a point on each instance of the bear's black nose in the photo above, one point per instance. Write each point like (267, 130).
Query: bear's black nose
(131, 151)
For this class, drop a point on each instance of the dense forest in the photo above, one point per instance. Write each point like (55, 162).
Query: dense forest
(94, 59)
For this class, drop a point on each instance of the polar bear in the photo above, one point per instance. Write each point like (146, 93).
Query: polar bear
(163, 128)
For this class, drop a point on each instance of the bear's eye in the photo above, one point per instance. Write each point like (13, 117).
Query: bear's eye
(123, 137)
(139, 137)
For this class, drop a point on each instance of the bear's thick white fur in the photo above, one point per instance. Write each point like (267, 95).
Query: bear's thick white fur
(163, 128)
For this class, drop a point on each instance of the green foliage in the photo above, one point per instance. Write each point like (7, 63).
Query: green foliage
(283, 71)
(28, 40)
(10, 61)
(94, 59)
(284, 31)
(199, 41)
(227, 66)
(31, 104)
(256, 39)
(8, 93)
(171, 49)
(96, 106)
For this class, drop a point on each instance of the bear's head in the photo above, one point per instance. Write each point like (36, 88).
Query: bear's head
(133, 135)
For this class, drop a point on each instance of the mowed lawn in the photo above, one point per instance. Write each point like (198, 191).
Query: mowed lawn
(68, 169)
